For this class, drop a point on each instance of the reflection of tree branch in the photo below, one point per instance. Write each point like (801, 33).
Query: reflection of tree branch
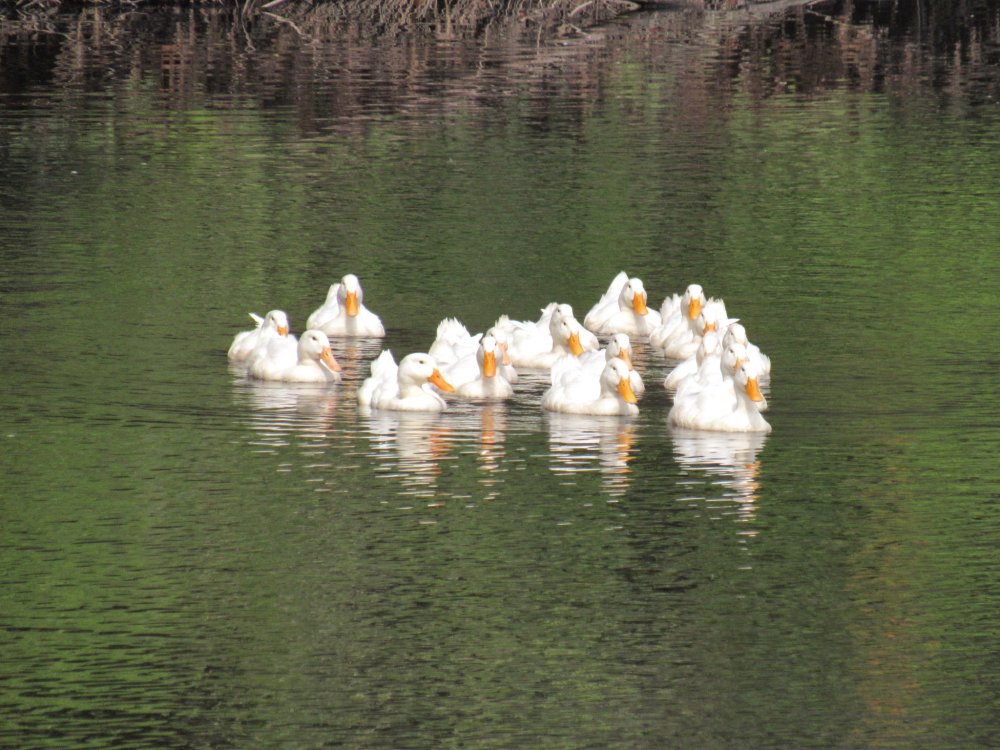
(809, 53)
(282, 19)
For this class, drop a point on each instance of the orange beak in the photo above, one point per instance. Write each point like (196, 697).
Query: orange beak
(574, 344)
(623, 355)
(753, 391)
(282, 330)
(739, 364)
(506, 356)
(626, 392)
(351, 304)
(709, 327)
(694, 308)
(639, 304)
(489, 364)
(438, 379)
(328, 359)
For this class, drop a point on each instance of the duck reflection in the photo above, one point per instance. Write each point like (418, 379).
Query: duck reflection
(413, 448)
(729, 460)
(409, 446)
(278, 410)
(490, 426)
(581, 443)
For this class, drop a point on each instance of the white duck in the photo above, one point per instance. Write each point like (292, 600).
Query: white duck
(527, 337)
(309, 361)
(564, 335)
(676, 311)
(274, 324)
(610, 394)
(713, 370)
(622, 309)
(453, 342)
(590, 365)
(486, 382)
(506, 365)
(588, 340)
(685, 343)
(344, 312)
(530, 339)
(404, 387)
(730, 406)
(710, 345)
(738, 334)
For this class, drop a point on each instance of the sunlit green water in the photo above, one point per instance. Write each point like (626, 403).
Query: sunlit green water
(192, 560)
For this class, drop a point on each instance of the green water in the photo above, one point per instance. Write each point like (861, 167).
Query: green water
(188, 559)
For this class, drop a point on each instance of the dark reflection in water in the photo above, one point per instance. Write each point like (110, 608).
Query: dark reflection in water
(340, 79)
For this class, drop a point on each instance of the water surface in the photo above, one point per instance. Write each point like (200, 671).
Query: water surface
(191, 559)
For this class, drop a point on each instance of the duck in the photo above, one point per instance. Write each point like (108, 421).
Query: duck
(530, 339)
(527, 337)
(487, 382)
(730, 406)
(588, 339)
(678, 314)
(310, 360)
(684, 343)
(344, 313)
(622, 309)
(453, 342)
(506, 365)
(611, 394)
(709, 346)
(406, 386)
(591, 364)
(714, 369)
(675, 311)
(737, 333)
(274, 324)
(564, 340)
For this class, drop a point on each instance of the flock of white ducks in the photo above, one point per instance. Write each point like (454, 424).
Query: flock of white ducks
(715, 385)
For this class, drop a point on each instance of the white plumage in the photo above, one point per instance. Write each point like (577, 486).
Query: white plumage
(407, 386)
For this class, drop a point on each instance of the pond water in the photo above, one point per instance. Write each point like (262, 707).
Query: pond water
(190, 559)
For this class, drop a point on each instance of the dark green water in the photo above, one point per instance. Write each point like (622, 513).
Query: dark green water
(191, 560)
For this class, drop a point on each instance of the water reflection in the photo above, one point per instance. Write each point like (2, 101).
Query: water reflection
(416, 450)
(278, 410)
(580, 443)
(490, 449)
(729, 461)
(409, 447)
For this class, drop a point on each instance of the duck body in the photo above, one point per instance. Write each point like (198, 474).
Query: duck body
(678, 332)
(575, 392)
(505, 364)
(272, 325)
(453, 342)
(539, 351)
(622, 309)
(488, 382)
(676, 314)
(738, 334)
(687, 337)
(729, 406)
(344, 313)
(714, 368)
(310, 360)
(535, 344)
(407, 386)
(589, 365)
(709, 345)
